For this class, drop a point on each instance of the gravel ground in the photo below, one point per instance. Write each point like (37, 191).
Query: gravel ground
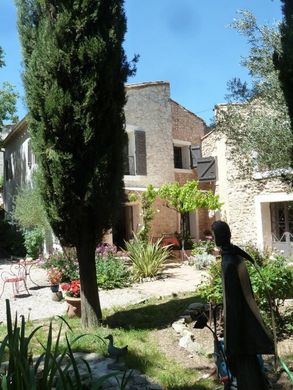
(39, 304)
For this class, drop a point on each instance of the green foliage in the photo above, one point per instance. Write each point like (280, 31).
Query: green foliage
(187, 198)
(33, 242)
(202, 260)
(111, 272)
(56, 367)
(211, 290)
(276, 279)
(147, 258)
(66, 262)
(29, 209)
(284, 60)
(200, 247)
(1, 182)
(8, 98)
(11, 239)
(260, 125)
(74, 74)
(75, 70)
(147, 199)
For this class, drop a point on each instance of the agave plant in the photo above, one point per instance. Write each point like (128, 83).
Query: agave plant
(147, 258)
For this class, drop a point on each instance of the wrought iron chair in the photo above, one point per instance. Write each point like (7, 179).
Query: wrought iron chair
(15, 276)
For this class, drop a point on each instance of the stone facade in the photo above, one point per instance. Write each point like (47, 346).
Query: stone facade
(247, 197)
(162, 123)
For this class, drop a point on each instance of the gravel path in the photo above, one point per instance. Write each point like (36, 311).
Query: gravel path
(40, 305)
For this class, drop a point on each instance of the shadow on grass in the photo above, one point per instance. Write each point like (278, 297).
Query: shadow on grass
(177, 380)
(150, 315)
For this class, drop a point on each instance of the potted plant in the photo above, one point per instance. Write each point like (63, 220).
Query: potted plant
(72, 297)
(54, 277)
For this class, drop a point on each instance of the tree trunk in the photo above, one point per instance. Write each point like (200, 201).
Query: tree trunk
(91, 312)
(182, 227)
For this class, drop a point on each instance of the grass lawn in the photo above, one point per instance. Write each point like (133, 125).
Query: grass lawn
(138, 327)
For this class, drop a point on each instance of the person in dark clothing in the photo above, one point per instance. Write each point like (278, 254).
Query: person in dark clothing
(245, 335)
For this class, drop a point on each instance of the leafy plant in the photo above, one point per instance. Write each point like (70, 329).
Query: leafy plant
(56, 367)
(147, 199)
(66, 262)
(147, 258)
(276, 280)
(54, 275)
(11, 239)
(111, 272)
(200, 247)
(29, 211)
(104, 249)
(71, 289)
(187, 198)
(202, 260)
(33, 242)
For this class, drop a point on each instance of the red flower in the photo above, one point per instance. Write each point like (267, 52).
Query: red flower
(72, 289)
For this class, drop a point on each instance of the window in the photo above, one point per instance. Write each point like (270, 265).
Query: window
(135, 153)
(177, 157)
(8, 169)
(181, 156)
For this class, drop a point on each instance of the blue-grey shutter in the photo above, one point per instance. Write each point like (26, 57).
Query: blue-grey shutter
(206, 169)
(195, 154)
(140, 152)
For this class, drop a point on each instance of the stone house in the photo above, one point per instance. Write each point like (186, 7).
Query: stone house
(258, 206)
(163, 146)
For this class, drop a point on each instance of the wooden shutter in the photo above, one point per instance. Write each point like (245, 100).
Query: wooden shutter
(195, 154)
(206, 169)
(140, 152)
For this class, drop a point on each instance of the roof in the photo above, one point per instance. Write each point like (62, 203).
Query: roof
(16, 129)
(147, 84)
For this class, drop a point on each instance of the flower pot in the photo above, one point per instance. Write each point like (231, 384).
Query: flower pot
(54, 288)
(57, 296)
(74, 307)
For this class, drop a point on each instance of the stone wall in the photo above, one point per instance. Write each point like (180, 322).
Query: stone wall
(240, 192)
(148, 109)
(186, 126)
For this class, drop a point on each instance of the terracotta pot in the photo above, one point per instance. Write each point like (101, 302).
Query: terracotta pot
(74, 307)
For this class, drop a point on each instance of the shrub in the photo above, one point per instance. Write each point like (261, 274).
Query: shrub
(200, 247)
(66, 262)
(11, 239)
(104, 249)
(147, 258)
(111, 272)
(33, 242)
(202, 260)
(276, 279)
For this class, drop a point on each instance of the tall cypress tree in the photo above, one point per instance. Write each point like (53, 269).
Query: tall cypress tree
(284, 61)
(74, 74)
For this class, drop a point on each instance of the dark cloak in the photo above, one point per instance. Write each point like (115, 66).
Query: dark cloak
(245, 332)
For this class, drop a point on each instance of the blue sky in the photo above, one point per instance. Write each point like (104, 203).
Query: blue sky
(186, 42)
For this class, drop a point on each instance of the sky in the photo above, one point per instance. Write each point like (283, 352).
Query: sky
(185, 42)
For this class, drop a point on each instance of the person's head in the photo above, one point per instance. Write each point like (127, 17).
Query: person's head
(221, 233)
